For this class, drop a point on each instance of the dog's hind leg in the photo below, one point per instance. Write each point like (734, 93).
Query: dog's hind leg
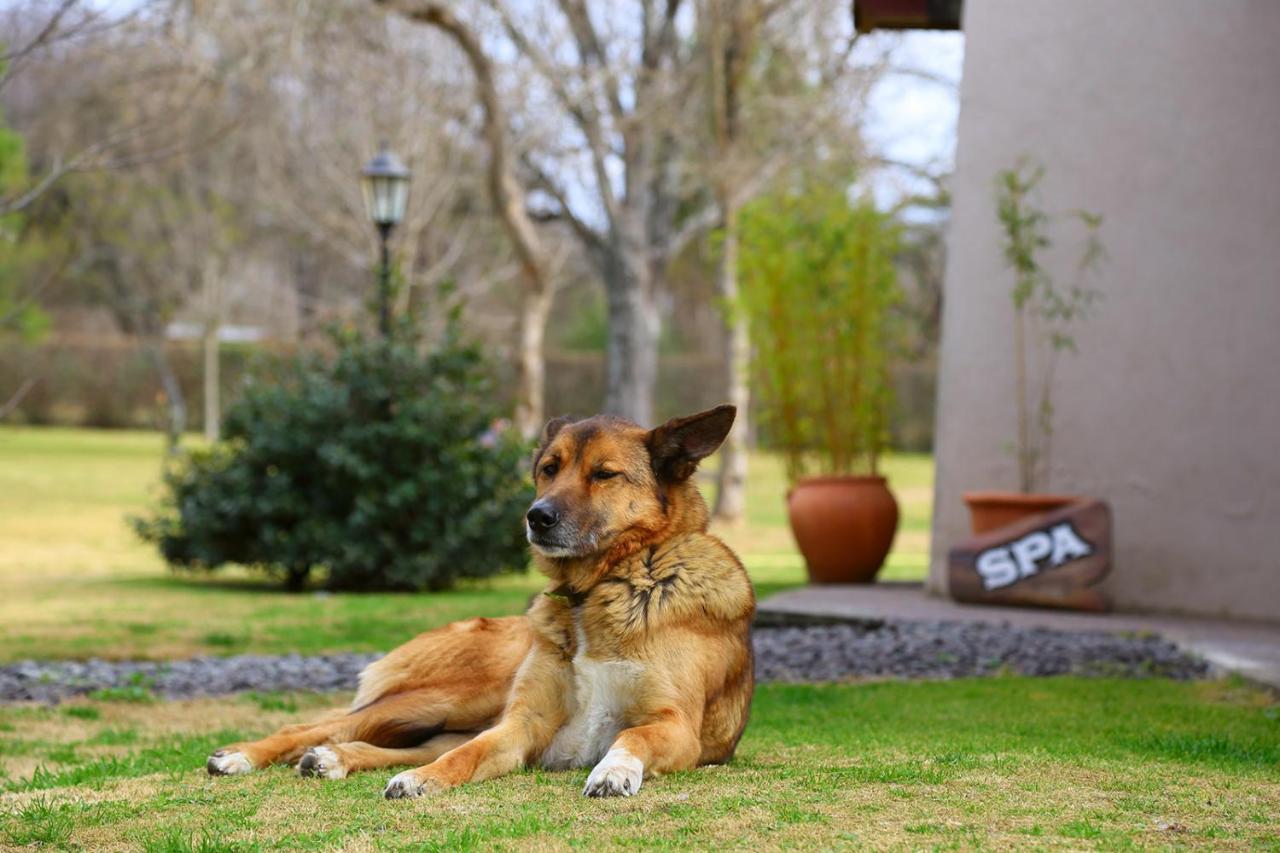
(396, 721)
(286, 745)
(336, 760)
(456, 677)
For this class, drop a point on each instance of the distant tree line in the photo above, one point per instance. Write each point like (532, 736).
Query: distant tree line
(579, 175)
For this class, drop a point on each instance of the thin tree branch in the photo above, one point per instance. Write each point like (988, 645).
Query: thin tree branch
(508, 195)
(14, 401)
(541, 180)
(584, 113)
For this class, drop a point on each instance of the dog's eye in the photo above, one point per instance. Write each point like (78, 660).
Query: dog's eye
(550, 469)
(605, 475)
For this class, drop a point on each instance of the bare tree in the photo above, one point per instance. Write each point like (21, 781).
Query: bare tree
(510, 202)
(774, 86)
(35, 35)
(604, 142)
(612, 105)
(730, 32)
(37, 31)
(162, 229)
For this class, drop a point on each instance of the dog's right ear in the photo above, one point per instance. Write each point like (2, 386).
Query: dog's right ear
(548, 435)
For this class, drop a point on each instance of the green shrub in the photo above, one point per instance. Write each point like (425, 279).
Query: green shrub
(819, 287)
(376, 466)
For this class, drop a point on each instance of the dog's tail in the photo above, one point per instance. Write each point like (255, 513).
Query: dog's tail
(376, 680)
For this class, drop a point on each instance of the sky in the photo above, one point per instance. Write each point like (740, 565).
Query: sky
(913, 120)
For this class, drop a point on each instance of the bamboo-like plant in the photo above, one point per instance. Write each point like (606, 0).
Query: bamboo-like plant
(819, 286)
(1042, 307)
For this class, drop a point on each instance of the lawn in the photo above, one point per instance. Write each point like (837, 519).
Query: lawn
(75, 582)
(982, 763)
(976, 763)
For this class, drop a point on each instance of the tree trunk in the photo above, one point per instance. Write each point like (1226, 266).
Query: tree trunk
(306, 283)
(530, 397)
(176, 422)
(295, 579)
(212, 361)
(731, 491)
(631, 373)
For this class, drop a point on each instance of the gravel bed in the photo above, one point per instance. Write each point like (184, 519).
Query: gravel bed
(959, 649)
(794, 654)
(206, 676)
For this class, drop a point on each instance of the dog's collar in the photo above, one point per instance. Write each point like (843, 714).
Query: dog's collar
(566, 595)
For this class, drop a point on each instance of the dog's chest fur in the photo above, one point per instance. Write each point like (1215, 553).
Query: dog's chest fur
(603, 690)
(609, 639)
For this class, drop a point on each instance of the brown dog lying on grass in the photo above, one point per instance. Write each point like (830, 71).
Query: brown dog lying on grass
(635, 661)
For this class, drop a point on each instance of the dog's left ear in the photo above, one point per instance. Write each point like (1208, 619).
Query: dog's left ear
(676, 447)
(548, 434)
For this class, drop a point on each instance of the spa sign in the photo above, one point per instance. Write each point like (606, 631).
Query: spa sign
(1054, 559)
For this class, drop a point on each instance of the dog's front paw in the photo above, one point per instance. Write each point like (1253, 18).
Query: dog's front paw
(323, 762)
(618, 774)
(408, 784)
(226, 762)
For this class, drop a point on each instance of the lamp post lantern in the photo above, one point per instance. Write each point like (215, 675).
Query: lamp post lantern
(385, 182)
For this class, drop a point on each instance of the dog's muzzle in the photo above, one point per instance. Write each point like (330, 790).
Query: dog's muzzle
(542, 517)
(544, 531)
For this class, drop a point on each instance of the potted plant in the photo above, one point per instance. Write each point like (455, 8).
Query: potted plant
(1044, 313)
(818, 290)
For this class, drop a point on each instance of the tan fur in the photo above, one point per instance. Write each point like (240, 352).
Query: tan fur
(643, 637)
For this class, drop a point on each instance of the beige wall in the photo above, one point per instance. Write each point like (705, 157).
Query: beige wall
(1163, 115)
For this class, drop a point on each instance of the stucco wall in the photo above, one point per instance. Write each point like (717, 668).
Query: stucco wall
(1164, 116)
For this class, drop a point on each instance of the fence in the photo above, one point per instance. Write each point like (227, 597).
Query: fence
(113, 384)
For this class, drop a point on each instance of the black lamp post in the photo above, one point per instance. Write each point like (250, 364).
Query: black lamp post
(385, 181)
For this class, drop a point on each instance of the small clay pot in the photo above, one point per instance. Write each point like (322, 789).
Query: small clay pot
(990, 510)
(844, 526)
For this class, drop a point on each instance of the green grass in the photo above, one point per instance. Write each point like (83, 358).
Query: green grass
(75, 582)
(994, 763)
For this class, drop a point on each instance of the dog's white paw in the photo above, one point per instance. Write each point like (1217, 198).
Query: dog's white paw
(228, 763)
(618, 774)
(323, 762)
(405, 784)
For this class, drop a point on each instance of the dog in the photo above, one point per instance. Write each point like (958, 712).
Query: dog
(635, 661)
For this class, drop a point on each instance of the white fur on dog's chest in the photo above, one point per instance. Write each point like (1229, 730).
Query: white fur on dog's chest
(603, 693)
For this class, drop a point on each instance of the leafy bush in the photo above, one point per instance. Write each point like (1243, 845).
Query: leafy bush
(819, 287)
(377, 465)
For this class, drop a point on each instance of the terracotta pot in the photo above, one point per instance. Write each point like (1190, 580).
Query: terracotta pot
(989, 510)
(843, 525)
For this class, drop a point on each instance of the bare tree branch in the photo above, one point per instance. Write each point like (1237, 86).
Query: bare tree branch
(583, 112)
(507, 193)
(510, 200)
(542, 181)
(16, 399)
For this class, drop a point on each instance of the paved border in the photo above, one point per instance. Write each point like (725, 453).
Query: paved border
(1250, 649)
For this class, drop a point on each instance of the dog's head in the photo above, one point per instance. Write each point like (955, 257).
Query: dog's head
(604, 477)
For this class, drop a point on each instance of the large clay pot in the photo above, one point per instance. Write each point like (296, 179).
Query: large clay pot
(989, 510)
(843, 525)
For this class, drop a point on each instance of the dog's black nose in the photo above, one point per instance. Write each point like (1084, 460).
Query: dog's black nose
(542, 517)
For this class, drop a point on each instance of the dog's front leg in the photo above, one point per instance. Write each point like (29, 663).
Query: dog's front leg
(534, 713)
(669, 742)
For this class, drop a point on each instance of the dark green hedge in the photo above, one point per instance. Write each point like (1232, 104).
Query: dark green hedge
(375, 466)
